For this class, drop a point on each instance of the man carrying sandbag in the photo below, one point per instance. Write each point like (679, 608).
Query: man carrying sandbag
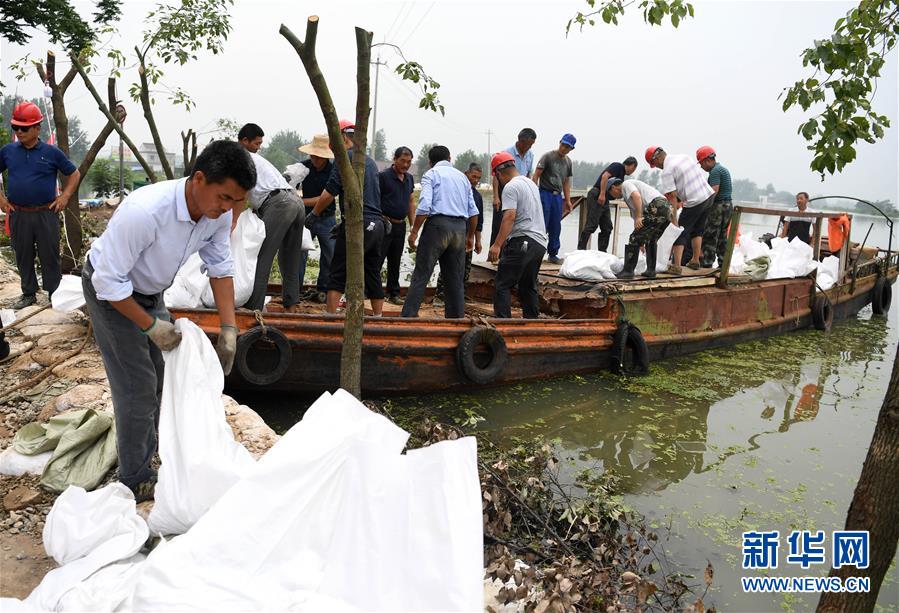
(153, 232)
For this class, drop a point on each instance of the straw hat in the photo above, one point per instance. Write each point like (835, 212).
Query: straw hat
(318, 146)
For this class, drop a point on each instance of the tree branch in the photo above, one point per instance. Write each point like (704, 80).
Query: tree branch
(148, 115)
(115, 124)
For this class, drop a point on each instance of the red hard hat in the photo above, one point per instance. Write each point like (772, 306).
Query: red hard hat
(704, 152)
(26, 114)
(344, 125)
(649, 153)
(499, 159)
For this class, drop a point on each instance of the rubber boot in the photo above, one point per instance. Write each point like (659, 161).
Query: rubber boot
(651, 250)
(631, 255)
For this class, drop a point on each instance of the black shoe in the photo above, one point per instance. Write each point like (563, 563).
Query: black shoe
(553, 259)
(25, 301)
(395, 300)
(651, 254)
(631, 255)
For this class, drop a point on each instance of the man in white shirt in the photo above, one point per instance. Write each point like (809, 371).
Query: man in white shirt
(650, 212)
(282, 211)
(686, 187)
(154, 231)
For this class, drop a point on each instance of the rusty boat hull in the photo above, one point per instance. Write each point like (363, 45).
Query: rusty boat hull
(676, 316)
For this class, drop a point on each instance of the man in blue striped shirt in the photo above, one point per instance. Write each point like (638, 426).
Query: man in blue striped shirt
(446, 208)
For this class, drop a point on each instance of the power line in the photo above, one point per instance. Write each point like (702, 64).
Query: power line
(389, 30)
(399, 26)
(420, 21)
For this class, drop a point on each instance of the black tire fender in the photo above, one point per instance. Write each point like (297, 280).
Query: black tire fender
(272, 338)
(882, 296)
(822, 313)
(465, 354)
(630, 355)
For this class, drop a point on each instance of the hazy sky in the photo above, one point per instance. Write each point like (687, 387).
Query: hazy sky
(504, 65)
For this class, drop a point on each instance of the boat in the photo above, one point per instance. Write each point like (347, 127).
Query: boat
(584, 326)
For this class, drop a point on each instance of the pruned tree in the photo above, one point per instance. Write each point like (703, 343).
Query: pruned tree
(71, 254)
(176, 33)
(189, 150)
(352, 174)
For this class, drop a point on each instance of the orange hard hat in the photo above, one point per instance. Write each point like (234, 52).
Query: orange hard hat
(503, 157)
(704, 152)
(651, 152)
(346, 125)
(26, 114)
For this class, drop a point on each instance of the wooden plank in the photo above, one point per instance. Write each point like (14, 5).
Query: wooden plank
(729, 250)
(786, 212)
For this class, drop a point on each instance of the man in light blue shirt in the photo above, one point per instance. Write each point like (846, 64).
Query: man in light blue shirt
(447, 204)
(524, 161)
(154, 231)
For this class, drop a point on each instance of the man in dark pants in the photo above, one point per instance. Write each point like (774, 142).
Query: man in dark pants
(473, 173)
(373, 229)
(320, 167)
(521, 242)
(154, 231)
(280, 208)
(33, 206)
(714, 239)
(597, 203)
(524, 162)
(447, 204)
(397, 205)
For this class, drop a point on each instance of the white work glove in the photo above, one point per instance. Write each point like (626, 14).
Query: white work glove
(226, 347)
(163, 334)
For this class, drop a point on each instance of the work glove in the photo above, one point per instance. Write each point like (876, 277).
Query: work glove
(163, 334)
(226, 347)
(311, 218)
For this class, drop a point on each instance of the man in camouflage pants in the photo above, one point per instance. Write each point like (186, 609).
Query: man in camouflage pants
(714, 239)
(651, 213)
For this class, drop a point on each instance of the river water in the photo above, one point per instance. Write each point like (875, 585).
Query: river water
(767, 435)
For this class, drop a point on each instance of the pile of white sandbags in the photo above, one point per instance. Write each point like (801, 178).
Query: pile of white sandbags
(334, 517)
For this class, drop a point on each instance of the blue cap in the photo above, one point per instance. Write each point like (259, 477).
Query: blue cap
(612, 182)
(569, 140)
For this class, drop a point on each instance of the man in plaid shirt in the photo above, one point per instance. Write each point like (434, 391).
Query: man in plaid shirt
(685, 186)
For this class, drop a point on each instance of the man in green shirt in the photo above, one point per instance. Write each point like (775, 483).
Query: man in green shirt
(714, 239)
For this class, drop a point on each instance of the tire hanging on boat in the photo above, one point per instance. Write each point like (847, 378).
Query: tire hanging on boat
(276, 340)
(481, 336)
(882, 296)
(630, 355)
(822, 313)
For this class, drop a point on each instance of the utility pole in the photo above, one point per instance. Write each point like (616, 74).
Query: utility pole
(489, 133)
(374, 110)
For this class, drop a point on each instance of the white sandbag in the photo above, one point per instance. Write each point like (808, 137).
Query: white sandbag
(828, 271)
(273, 541)
(664, 246)
(7, 316)
(790, 259)
(589, 265)
(751, 248)
(187, 288)
(246, 241)
(16, 464)
(69, 295)
(295, 173)
(200, 458)
(85, 531)
(108, 589)
(308, 245)
(737, 263)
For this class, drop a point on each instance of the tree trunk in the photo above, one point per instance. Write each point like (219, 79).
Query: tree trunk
(151, 121)
(189, 151)
(351, 176)
(874, 507)
(112, 120)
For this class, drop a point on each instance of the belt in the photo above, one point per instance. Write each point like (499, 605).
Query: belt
(273, 193)
(447, 216)
(30, 209)
(551, 191)
(392, 220)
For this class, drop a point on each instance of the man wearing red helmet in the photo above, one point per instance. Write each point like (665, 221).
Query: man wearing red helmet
(521, 240)
(32, 203)
(714, 239)
(685, 186)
